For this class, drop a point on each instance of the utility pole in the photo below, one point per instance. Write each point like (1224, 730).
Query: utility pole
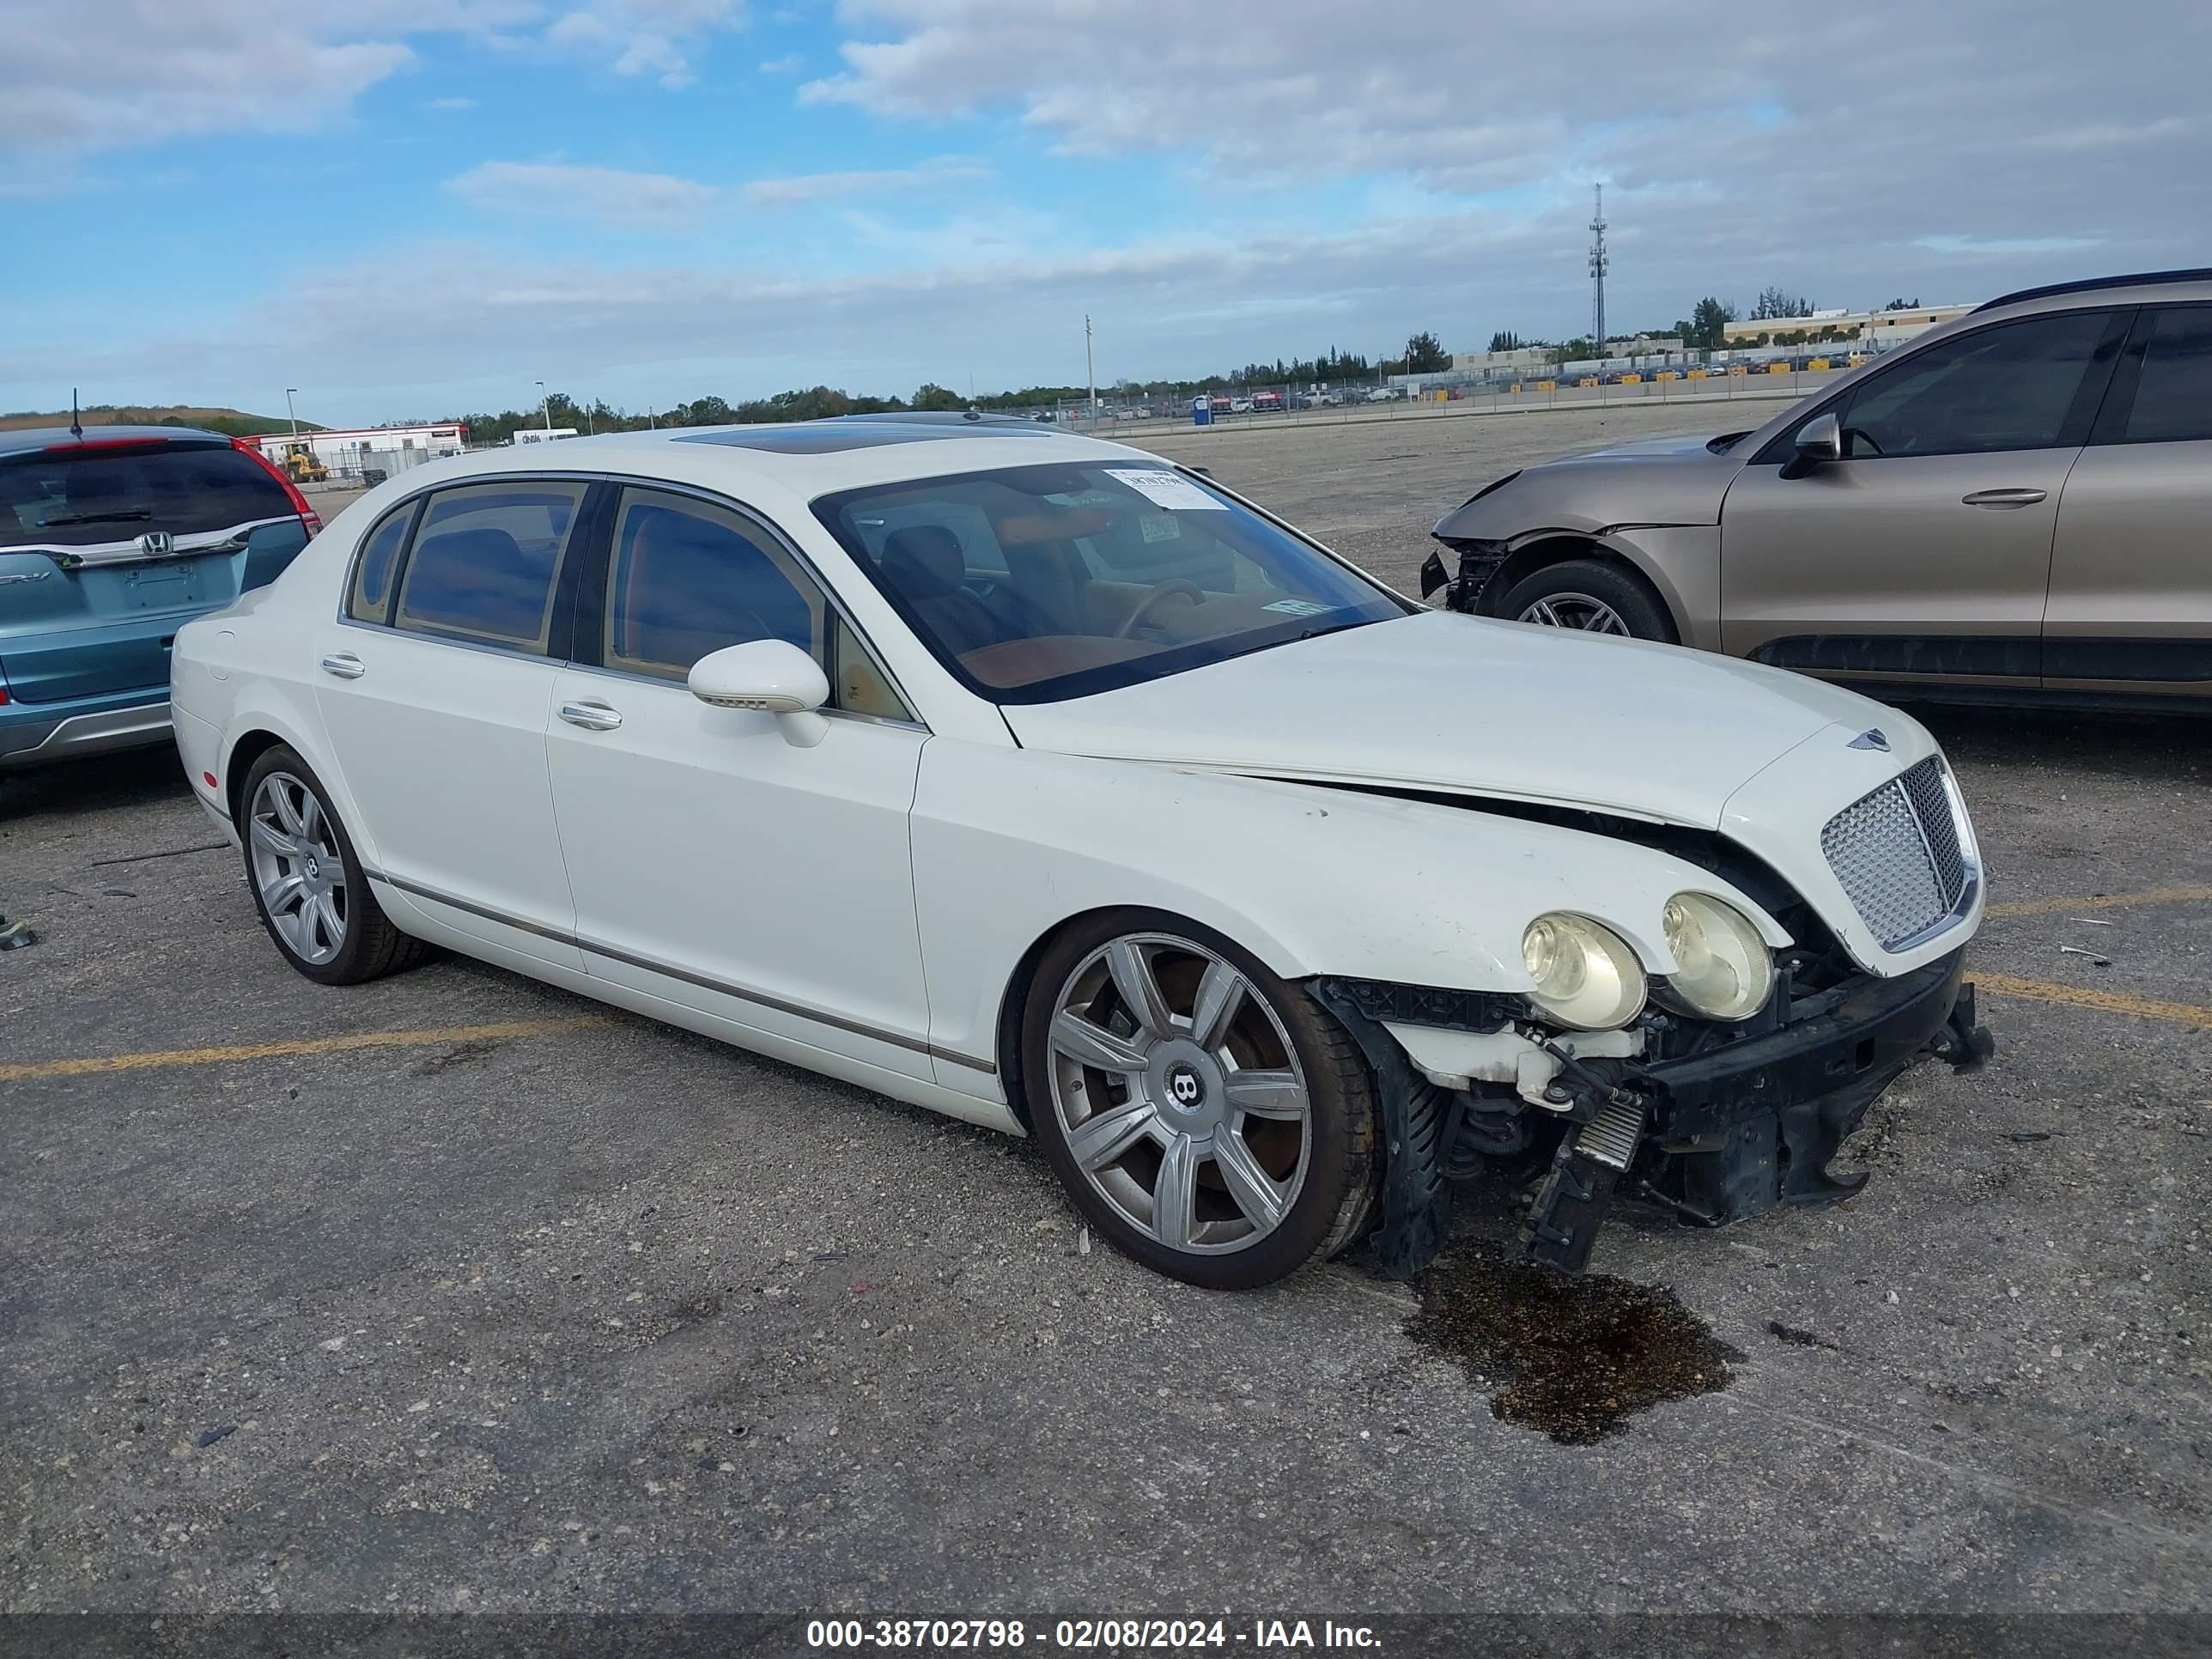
(545, 402)
(288, 414)
(1597, 264)
(1089, 370)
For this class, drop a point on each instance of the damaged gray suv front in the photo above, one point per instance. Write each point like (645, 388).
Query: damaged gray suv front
(2010, 508)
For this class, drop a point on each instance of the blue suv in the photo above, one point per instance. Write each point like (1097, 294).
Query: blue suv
(110, 541)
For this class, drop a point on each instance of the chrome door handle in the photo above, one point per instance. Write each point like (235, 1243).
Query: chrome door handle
(345, 665)
(592, 716)
(2002, 498)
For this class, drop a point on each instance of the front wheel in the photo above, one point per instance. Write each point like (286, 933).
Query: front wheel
(1209, 1118)
(1591, 596)
(307, 883)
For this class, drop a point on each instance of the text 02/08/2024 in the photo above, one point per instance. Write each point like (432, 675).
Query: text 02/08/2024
(1079, 1634)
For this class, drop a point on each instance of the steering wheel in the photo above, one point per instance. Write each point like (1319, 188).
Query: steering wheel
(1158, 592)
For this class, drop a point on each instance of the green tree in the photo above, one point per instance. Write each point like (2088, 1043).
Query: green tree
(1912, 304)
(1780, 302)
(1707, 327)
(1506, 340)
(930, 395)
(1425, 354)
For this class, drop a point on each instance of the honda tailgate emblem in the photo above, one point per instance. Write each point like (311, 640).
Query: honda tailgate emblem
(157, 544)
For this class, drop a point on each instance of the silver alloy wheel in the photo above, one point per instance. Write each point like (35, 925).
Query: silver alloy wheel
(297, 868)
(1180, 1094)
(1578, 611)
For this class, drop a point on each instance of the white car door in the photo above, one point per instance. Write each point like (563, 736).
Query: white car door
(715, 863)
(437, 690)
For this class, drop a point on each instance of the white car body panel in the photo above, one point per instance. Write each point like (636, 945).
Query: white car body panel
(780, 876)
(1311, 880)
(863, 906)
(446, 742)
(1395, 704)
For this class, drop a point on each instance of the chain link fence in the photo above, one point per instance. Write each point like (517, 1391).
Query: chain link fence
(1127, 412)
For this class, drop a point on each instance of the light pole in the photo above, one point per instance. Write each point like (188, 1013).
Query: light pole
(288, 414)
(545, 403)
(1090, 371)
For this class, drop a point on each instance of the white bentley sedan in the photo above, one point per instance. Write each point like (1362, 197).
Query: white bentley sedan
(1049, 784)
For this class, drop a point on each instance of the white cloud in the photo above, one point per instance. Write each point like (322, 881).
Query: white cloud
(937, 172)
(452, 103)
(84, 75)
(790, 63)
(607, 196)
(2005, 245)
(75, 77)
(2001, 121)
(656, 38)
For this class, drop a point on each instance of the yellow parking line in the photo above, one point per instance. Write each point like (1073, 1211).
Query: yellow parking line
(2084, 996)
(2107, 902)
(329, 1045)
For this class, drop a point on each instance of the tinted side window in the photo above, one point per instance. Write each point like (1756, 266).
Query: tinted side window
(2173, 396)
(65, 499)
(2009, 386)
(484, 562)
(689, 578)
(370, 598)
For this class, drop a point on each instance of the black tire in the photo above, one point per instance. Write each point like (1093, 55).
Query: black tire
(1343, 1165)
(1631, 599)
(371, 946)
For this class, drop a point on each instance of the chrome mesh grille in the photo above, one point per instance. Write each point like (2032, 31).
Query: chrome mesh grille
(1896, 853)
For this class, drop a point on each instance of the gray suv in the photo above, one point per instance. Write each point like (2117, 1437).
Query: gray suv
(2018, 505)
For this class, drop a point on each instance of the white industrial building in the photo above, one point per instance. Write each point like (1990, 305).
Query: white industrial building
(388, 448)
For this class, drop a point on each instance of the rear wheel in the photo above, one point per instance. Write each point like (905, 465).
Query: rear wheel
(1209, 1118)
(307, 881)
(1591, 596)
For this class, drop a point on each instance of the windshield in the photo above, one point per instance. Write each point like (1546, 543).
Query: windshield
(1037, 583)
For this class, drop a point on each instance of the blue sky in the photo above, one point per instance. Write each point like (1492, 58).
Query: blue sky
(423, 208)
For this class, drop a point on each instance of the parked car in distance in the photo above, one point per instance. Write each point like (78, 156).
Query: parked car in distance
(2011, 507)
(1266, 403)
(1035, 743)
(110, 540)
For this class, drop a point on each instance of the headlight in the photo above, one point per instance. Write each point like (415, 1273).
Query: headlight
(1585, 976)
(1723, 969)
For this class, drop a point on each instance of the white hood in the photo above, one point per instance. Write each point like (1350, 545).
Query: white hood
(1466, 705)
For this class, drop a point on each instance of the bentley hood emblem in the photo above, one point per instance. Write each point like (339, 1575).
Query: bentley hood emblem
(1871, 738)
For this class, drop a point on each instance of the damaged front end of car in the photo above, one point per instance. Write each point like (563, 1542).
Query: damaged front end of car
(1714, 1121)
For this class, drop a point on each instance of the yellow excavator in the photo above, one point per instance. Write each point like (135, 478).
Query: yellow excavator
(302, 466)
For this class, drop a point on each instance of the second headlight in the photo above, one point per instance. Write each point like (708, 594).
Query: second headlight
(1722, 969)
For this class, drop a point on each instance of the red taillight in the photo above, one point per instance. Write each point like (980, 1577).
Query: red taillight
(309, 518)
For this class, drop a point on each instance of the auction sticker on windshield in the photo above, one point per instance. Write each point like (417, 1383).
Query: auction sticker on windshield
(1167, 490)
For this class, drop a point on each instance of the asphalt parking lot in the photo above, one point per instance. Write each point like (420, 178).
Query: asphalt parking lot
(455, 1292)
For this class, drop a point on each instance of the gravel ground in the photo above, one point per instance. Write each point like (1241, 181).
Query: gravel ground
(606, 1318)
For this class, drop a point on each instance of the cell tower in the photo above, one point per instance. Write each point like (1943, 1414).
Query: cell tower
(1597, 264)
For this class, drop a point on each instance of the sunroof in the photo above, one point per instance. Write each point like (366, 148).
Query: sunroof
(828, 439)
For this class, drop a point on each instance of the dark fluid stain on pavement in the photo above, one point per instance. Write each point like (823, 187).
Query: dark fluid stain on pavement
(1573, 1358)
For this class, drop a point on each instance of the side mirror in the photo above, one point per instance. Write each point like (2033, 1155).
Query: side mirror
(1818, 441)
(773, 676)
